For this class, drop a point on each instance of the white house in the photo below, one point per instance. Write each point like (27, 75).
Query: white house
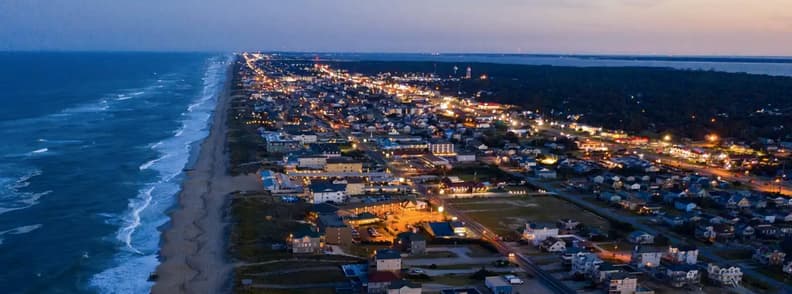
(640, 237)
(681, 275)
(644, 256)
(388, 260)
(585, 263)
(553, 245)
(726, 275)
(621, 283)
(404, 287)
(312, 161)
(538, 233)
(325, 192)
(682, 254)
(306, 138)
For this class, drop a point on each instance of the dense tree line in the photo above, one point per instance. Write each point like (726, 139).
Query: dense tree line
(690, 103)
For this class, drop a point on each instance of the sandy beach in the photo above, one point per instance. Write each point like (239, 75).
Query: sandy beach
(193, 247)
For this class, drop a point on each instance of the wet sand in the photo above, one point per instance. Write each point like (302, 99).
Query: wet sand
(193, 249)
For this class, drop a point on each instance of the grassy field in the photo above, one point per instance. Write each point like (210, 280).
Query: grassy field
(479, 173)
(507, 216)
(259, 223)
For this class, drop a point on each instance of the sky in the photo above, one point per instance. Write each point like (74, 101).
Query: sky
(675, 27)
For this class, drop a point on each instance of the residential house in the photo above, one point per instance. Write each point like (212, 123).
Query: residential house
(684, 205)
(622, 283)
(343, 165)
(640, 237)
(705, 233)
(727, 275)
(683, 275)
(553, 245)
(378, 282)
(684, 254)
(787, 268)
(413, 243)
(536, 233)
(545, 173)
(498, 285)
(388, 260)
(745, 231)
(585, 263)
(766, 231)
(322, 192)
(336, 232)
(646, 256)
(404, 287)
(769, 256)
(568, 225)
(305, 239)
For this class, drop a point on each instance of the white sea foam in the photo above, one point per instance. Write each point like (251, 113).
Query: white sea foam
(42, 150)
(13, 195)
(19, 231)
(137, 206)
(138, 234)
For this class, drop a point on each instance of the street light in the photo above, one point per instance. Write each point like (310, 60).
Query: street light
(667, 138)
(440, 209)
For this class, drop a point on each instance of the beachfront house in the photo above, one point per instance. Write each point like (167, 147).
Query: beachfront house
(322, 192)
(727, 275)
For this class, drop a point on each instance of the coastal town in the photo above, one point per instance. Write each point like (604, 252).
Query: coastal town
(386, 184)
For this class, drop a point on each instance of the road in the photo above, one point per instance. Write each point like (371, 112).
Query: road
(705, 252)
(524, 262)
(750, 181)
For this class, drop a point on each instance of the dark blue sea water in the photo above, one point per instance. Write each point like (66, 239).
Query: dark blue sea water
(92, 146)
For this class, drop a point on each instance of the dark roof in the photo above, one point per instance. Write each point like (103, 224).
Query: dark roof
(305, 230)
(441, 229)
(379, 277)
(327, 187)
(331, 220)
(325, 148)
(388, 254)
(401, 283)
(341, 159)
(460, 291)
(682, 267)
(410, 236)
(324, 208)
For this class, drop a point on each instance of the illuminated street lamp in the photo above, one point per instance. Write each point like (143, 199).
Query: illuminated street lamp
(440, 209)
(712, 137)
(667, 138)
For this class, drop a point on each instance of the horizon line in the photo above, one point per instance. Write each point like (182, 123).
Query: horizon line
(438, 53)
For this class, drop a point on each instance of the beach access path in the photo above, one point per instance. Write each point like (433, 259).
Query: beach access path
(193, 249)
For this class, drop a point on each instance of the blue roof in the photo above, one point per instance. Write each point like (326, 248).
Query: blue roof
(442, 229)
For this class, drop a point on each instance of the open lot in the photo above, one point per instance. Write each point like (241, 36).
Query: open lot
(508, 215)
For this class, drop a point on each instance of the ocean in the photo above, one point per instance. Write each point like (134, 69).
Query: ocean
(93, 148)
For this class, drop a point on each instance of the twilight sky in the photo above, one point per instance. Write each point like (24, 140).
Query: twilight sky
(705, 27)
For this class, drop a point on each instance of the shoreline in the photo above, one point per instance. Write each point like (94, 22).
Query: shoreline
(193, 244)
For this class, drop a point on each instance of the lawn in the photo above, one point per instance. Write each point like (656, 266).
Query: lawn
(508, 216)
(259, 223)
(433, 254)
(480, 173)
